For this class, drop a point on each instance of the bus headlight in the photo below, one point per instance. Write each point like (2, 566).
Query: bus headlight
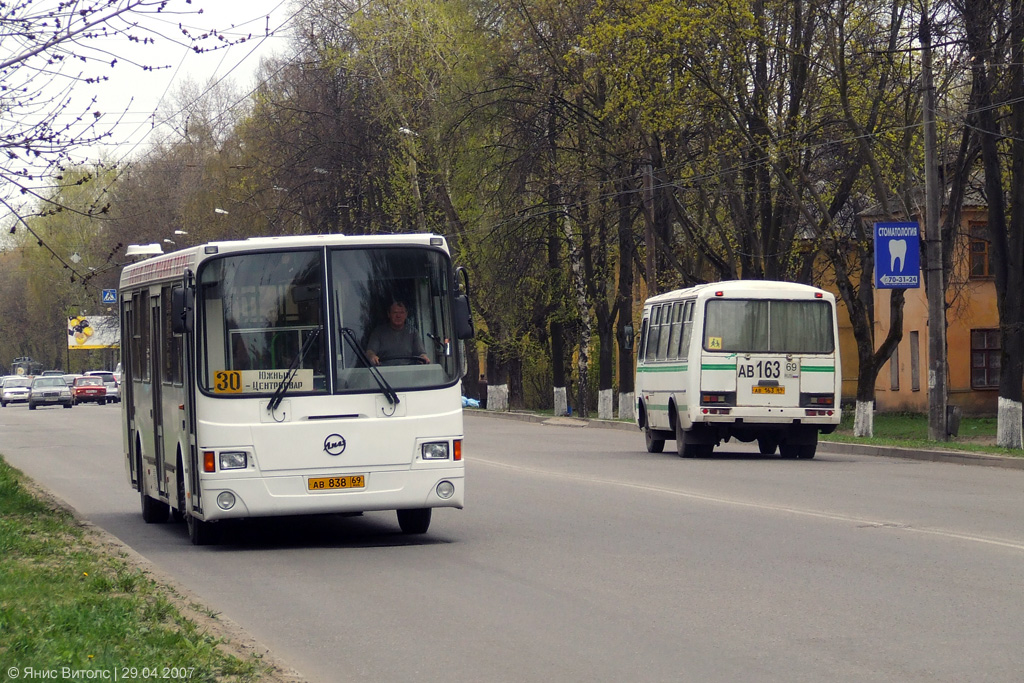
(445, 490)
(435, 450)
(233, 460)
(225, 500)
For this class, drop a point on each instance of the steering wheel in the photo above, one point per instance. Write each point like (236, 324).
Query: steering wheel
(404, 360)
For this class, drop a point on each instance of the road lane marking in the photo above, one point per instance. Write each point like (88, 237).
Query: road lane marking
(832, 516)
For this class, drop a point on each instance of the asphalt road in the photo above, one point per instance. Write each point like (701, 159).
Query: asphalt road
(580, 557)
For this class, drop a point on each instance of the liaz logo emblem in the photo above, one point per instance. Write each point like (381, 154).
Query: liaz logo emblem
(334, 444)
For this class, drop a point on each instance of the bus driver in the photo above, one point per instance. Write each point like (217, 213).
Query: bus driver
(395, 340)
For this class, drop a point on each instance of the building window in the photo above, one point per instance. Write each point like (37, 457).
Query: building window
(984, 359)
(915, 361)
(894, 370)
(980, 245)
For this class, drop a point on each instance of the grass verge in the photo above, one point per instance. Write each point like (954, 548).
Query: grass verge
(65, 602)
(910, 430)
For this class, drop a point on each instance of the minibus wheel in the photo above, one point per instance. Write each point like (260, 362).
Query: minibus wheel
(654, 444)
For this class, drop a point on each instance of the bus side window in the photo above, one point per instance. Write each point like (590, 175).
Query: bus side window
(684, 348)
(642, 348)
(664, 332)
(653, 333)
(677, 328)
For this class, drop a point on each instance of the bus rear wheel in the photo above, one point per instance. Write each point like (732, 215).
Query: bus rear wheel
(414, 521)
(153, 510)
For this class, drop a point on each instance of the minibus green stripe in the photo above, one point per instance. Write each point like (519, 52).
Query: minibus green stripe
(818, 368)
(718, 366)
(661, 368)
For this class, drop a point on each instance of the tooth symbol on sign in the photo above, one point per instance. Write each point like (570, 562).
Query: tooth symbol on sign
(897, 251)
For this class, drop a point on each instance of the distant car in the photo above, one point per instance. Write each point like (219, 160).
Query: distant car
(52, 373)
(88, 390)
(70, 378)
(51, 390)
(110, 382)
(15, 390)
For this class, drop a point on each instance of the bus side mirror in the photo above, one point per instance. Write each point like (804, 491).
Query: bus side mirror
(463, 315)
(182, 305)
(463, 318)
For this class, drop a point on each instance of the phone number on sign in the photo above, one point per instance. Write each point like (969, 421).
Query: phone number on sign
(120, 673)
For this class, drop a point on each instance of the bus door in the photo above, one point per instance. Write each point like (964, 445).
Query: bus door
(128, 352)
(156, 337)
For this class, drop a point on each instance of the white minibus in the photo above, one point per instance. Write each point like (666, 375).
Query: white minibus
(752, 360)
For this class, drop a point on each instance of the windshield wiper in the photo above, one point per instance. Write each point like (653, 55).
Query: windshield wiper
(278, 396)
(385, 388)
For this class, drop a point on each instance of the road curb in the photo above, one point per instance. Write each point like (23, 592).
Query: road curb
(934, 455)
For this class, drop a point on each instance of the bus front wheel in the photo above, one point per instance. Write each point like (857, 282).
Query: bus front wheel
(200, 532)
(414, 521)
(654, 444)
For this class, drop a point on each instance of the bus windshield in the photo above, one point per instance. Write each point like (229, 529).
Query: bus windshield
(262, 313)
(760, 325)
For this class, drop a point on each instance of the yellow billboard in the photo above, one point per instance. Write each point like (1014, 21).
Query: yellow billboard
(94, 332)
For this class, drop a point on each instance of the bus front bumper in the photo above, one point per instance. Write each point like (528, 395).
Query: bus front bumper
(225, 497)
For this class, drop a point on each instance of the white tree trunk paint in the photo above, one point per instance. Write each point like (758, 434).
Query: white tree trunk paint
(605, 405)
(626, 407)
(561, 403)
(497, 398)
(864, 419)
(1008, 424)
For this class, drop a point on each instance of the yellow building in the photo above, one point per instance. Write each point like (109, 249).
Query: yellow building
(972, 331)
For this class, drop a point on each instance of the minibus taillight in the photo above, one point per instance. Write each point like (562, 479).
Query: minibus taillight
(817, 400)
(719, 398)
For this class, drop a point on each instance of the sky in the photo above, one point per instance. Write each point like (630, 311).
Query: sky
(149, 96)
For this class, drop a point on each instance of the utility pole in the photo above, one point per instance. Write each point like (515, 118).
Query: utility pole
(933, 250)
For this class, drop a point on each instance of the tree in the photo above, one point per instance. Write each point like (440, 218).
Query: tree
(53, 54)
(995, 39)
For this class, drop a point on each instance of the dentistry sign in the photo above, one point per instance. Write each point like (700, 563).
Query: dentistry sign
(897, 255)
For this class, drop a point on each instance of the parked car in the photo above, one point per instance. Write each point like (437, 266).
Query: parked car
(15, 390)
(51, 390)
(88, 390)
(112, 385)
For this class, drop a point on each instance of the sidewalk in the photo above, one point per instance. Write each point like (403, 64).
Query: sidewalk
(933, 455)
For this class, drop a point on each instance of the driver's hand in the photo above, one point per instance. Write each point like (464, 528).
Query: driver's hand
(374, 358)
(424, 358)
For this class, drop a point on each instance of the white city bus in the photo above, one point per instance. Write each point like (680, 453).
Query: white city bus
(749, 359)
(247, 389)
